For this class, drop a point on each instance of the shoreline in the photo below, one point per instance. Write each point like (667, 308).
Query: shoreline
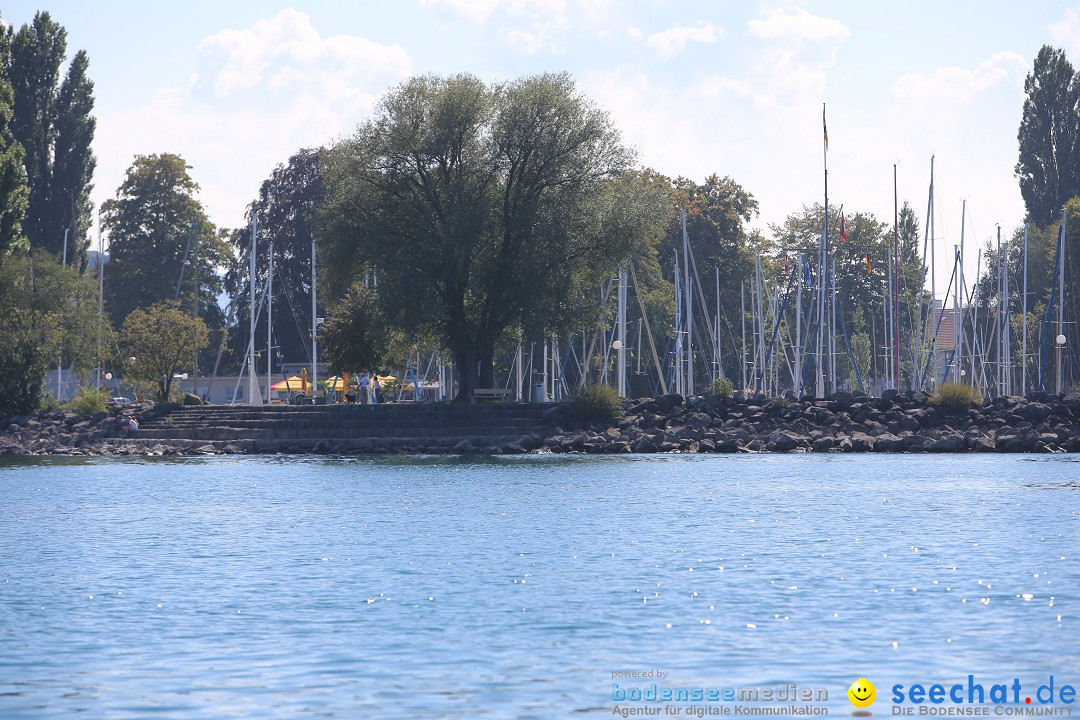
(843, 423)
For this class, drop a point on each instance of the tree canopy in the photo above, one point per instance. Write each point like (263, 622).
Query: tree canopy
(285, 213)
(1049, 137)
(47, 314)
(153, 225)
(483, 208)
(14, 193)
(162, 340)
(52, 121)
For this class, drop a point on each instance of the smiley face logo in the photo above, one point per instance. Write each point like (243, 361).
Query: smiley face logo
(862, 693)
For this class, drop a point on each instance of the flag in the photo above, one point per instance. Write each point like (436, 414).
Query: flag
(843, 228)
(825, 128)
(869, 270)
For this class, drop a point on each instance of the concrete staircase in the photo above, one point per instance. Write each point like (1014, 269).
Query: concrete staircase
(404, 428)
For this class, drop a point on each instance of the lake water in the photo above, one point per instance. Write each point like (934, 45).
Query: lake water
(274, 587)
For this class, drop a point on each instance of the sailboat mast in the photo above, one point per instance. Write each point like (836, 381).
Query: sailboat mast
(1023, 309)
(742, 295)
(962, 295)
(688, 316)
(252, 385)
(797, 380)
(1061, 297)
(823, 266)
(896, 281)
(269, 321)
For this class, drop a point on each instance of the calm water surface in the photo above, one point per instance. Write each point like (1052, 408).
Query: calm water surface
(270, 587)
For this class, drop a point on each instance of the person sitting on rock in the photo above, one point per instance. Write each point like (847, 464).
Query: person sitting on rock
(132, 426)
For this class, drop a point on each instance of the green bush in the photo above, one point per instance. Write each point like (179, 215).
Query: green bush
(721, 388)
(955, 395)
(780, 401)
(596, 402)
(89, 401)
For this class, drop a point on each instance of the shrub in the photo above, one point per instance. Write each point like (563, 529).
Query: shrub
(596, 402)
(90, 400)
(781, 401)
(721, 388)
(955, 395)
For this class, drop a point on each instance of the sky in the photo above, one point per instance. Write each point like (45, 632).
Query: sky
(734, 88)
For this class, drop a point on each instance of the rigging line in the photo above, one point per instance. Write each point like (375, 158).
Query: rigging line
(605, 294)
(187, 249)
(648, 329)
(701, 296)
(292, 311)
(776, 328)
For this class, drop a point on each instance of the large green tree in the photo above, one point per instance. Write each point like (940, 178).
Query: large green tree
(483, 208)
(53, 122)
(1049, 136)
(159, 235)
(718, 213)
(285, 213)
(860, 291)
(47, 314)
(13, 189)
(162, 340)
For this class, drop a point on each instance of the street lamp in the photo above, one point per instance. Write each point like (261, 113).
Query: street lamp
(1060, 344)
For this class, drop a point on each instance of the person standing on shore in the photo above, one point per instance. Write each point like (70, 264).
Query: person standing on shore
(376, 388)
(365, 382)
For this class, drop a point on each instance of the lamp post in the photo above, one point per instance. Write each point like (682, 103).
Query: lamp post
(1060, 344)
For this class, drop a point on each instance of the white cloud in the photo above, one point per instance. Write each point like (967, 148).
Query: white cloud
(669, 43)
(1066, 33)
(526, 26)
(286, 52)
(943, 96)
(259, 94)
(799, 49)
(799, 26)
(472, 11)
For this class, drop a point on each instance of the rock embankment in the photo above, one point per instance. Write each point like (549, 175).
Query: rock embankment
(60, 432)
(897, 422)
(906, 422)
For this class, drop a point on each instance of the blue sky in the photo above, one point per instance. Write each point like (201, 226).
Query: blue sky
(734, 88)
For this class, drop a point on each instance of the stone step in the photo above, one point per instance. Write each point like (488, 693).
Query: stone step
(358, 445)
(287, 433)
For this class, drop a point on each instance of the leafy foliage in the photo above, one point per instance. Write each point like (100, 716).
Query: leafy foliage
(955, 395)
(482, 209)
(150, 222)
(285, 212)
(722, 388)
(596, 401)
(1049, 165)
(162, 339)
(52, 121)
(47, 314)
(89, 401)
(355, 336)
(14, 192)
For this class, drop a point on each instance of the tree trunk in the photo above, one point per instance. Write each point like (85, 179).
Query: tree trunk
(487, 364)
(467, 377)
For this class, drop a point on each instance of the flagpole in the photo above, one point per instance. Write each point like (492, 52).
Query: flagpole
(896, 281)
(822, 266)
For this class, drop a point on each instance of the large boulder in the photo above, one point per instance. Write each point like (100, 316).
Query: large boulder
(947, 443)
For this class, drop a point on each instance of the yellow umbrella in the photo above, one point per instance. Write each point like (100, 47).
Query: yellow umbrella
(383, 379)
(334, 383)
(293, 384)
